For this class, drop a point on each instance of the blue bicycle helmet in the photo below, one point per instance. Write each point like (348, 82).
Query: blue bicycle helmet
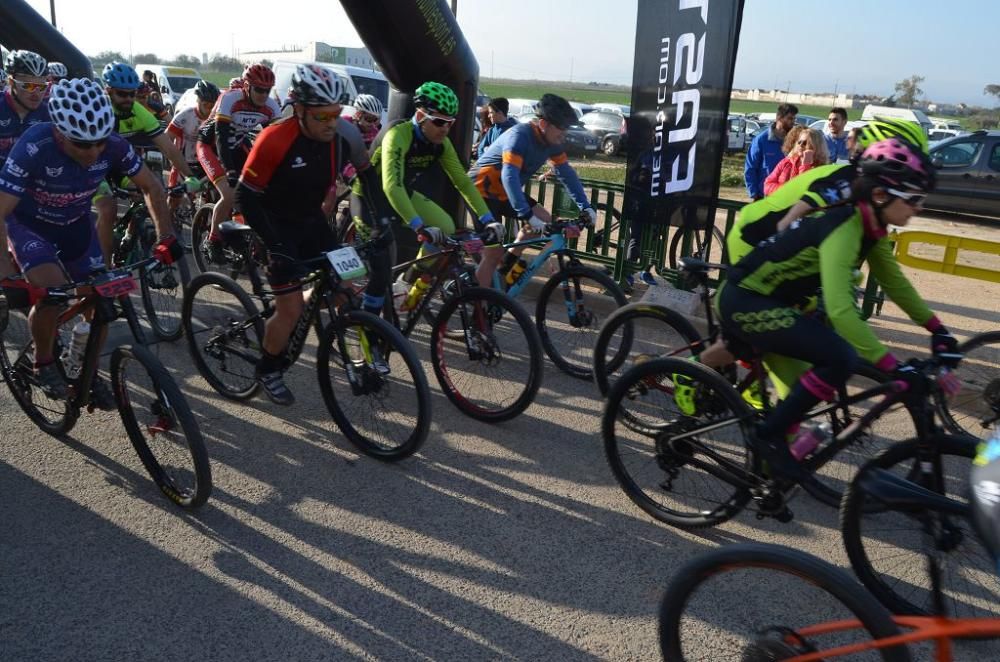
(120, 76)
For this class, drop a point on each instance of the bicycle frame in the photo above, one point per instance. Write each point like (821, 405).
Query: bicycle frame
(556, 243)
(445, 264)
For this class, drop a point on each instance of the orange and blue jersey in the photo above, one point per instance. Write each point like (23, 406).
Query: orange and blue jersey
(503, 170)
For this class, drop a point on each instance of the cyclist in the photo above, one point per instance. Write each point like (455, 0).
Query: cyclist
(762, 302)
(21, 105)
(223, 141)
(406, 153)
(142, 130)
(45, 191)
(183, 129)
(57, 72)
(368, 117)
(513, 159)
(280, 194)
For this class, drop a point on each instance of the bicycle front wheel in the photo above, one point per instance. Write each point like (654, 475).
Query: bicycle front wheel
(224, 333)
(374, 386)
(896, 552)
(764, 602)
(161, 426)
(570, 308)
(162, 287)
(201, 227)
(486, 355)
(975, 409)
(716, 255)
(653, 441)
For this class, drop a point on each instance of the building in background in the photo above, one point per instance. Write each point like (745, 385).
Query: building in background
(314, 51)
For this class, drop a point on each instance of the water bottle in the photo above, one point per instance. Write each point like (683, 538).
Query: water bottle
(400, 288)
(515, 272)
(72, 357)
(809, 439)
(417, 292)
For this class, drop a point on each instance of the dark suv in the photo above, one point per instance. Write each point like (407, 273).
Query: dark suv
(969, 174)
(608, 127)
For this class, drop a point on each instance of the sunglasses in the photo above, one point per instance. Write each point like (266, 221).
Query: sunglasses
(327, 116)
(912, 199)
(124, 94)
(439, 121)
(802, 142)
(86, 144)
(367, 118)
(30, 87)
(261, 90)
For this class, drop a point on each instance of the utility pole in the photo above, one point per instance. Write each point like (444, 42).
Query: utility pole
(52, 11)
(571, 70)
(491, 64)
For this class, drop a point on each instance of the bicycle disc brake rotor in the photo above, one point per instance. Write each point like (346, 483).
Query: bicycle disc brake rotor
(768, 647)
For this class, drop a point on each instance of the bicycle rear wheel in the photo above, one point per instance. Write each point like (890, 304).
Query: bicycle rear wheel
(161, 427)
(890, 549)
(54, 417)
(758, 602)
(716, 255)
(385, 415)
(224, 331)
(976, 408)
(637, 333)
(676, 480)
(162, 288)
(568, 316)
(491, 368)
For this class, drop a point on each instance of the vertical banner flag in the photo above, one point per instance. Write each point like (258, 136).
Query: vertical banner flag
(685, 53)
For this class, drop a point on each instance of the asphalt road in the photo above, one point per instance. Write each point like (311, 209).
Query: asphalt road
(494, 542)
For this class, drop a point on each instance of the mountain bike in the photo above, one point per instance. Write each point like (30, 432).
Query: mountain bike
(485, 351)
(156, 416)
(976, 409)
(370, 378)
(568, 323)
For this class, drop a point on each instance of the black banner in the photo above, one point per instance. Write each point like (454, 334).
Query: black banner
(685, 53)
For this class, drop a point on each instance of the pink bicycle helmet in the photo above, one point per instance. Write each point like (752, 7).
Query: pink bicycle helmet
(898, 163)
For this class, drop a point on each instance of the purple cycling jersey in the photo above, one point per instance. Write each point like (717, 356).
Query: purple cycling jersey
(11, 124)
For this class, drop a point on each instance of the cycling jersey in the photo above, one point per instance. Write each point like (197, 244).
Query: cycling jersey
(185, 125)
(820, 187)
(403, 157)
(503, 170)
(825, 252)
(369, 134)
(139, 127)
(11, 124)
(230, 124)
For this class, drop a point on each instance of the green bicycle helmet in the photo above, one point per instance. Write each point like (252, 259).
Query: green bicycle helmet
(436, 97)
(883, 128)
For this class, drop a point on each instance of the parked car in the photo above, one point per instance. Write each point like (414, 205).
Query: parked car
(736, 134)
(578, 141)
(608, 129)
(174, 82)
(620, 108)
(968, 178)
(522, 109)
(580, 108)
(753, 128)
(939, 135)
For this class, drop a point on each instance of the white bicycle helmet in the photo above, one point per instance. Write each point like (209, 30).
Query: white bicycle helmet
(313, 85)
(81, 110)
(369, 104)
(58, 70)
(26, 63)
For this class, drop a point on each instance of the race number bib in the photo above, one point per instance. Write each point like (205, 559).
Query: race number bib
(347, 263)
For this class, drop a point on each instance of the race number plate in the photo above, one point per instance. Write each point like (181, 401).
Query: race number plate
(118, 284)
(347, 263)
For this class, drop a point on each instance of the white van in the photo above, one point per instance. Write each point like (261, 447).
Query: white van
(359, 81)
(523, 110)
(871, 112)
(174, 81)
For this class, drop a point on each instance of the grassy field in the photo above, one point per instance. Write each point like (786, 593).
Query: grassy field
(221, 78)
(604, 169)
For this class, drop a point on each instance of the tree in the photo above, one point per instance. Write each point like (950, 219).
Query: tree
(909, 89)
(146, 58)
(104, 57)
(186, 61)
(220, 62)
(267, 63)
(992, 90)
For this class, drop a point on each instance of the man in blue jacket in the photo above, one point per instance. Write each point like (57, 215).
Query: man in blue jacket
(765, 150)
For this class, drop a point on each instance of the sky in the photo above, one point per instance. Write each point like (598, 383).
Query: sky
(803, 45)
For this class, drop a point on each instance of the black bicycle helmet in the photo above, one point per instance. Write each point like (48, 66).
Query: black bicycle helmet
(985, 480)
(555, 110)
(206, 91)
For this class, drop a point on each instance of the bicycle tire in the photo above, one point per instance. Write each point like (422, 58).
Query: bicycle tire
(449, 357)
(163, 310)
(333, 349)
(171, 411)
(718, 241)
(874, 618)
(670, 464)
(975, 410)
(606, 288)
(201, 226)
(888, 554)
(55, 418)
(682, 334)
(220, 320)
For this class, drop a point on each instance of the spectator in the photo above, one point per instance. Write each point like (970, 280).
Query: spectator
(852, 140)
(836, 136)
(765, 150)
(497, 110)
(150, 79)
(483, 114)
(806, 149)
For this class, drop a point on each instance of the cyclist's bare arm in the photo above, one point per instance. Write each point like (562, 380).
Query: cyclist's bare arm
(156, 200)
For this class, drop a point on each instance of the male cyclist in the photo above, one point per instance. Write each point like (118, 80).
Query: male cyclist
(766, 293)
(45, 191)
(183, 129)
(514, 158)
(223, 141)
(280, 193)
(142, 130)
(57, 72)
(21, 105)
(407, 152)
